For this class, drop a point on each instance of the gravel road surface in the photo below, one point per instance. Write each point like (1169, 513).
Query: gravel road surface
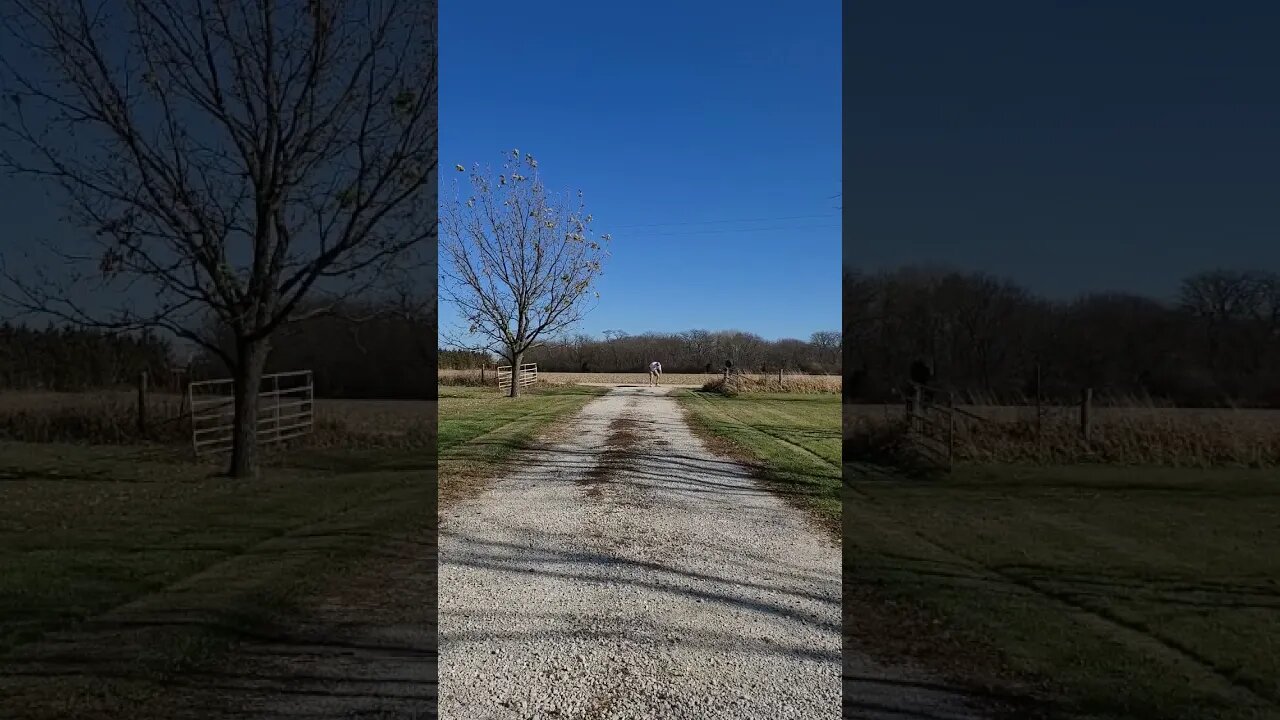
(628, 572)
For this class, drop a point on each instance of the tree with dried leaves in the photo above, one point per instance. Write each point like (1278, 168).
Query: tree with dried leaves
(256, 161)
(521, 262)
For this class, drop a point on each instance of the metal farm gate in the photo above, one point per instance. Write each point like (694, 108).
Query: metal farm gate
(528, 375)
(286, 409)
(932, 426)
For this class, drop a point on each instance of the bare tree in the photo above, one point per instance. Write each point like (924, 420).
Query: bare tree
(1220, 300)
(700, 346)
(828, 343)
(859, 304)
(612, 338)
(230, 158)
(521, 261)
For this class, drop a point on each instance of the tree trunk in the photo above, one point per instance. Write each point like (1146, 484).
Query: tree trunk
(515, 374)
(251, 358)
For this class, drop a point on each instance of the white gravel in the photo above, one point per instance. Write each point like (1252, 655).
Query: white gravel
(674, 587)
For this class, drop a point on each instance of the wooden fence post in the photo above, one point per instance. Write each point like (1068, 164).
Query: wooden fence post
(1086, 401)
(180, 387)
(951, 431)
(275, 388)
(482, 380)
(1039, 410)
(917, 406)
(779, 377)
(142, 403)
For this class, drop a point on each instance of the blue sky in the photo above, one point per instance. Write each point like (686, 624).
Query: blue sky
(1074, 147)
(706, 137)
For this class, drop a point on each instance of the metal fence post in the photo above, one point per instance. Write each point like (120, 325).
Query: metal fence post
(275, 382)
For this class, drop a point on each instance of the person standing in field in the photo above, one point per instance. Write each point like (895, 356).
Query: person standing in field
(655, 372)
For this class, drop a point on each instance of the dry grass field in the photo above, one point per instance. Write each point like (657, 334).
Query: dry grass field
(110, 417)
(1160, 436)
(694, 380)
(1101, 413)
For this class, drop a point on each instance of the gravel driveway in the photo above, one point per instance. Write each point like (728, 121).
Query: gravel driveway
(627, 572)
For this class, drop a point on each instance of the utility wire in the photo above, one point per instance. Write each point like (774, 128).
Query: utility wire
(720, 222)
(729, 231)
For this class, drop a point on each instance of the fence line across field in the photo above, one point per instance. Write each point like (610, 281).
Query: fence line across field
(933, 423)
(283, 412)
(528, 375)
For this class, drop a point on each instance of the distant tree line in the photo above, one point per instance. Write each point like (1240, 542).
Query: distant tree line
(72, 360)
(1216, 343)
(370, 350)
(466, 359)
(694, 351)
(365, 352)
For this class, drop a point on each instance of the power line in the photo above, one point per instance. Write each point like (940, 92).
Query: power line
(719, 222)
(727, 231)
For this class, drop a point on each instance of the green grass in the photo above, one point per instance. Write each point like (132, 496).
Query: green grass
(85, 530)
(792, 439)
(1100, 591)
(480, 429)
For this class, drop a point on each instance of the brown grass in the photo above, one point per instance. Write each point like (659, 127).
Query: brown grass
(1154, 436)
(798, 384)
(111, 418)
(466, 378)
(821, 383)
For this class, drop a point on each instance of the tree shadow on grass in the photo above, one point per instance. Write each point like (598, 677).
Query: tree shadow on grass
(362, 461)
(239, 640)
(904, 629)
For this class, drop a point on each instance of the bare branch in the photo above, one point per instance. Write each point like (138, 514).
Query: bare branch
(521, 262)
(243, 155)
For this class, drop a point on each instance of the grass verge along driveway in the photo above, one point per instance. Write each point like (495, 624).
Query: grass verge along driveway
(791, 440)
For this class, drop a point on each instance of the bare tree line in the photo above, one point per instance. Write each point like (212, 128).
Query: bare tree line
(465, 359)
(372, 350)
(68, 359)
(693, 351)
(1216, 343)
(388, 354)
